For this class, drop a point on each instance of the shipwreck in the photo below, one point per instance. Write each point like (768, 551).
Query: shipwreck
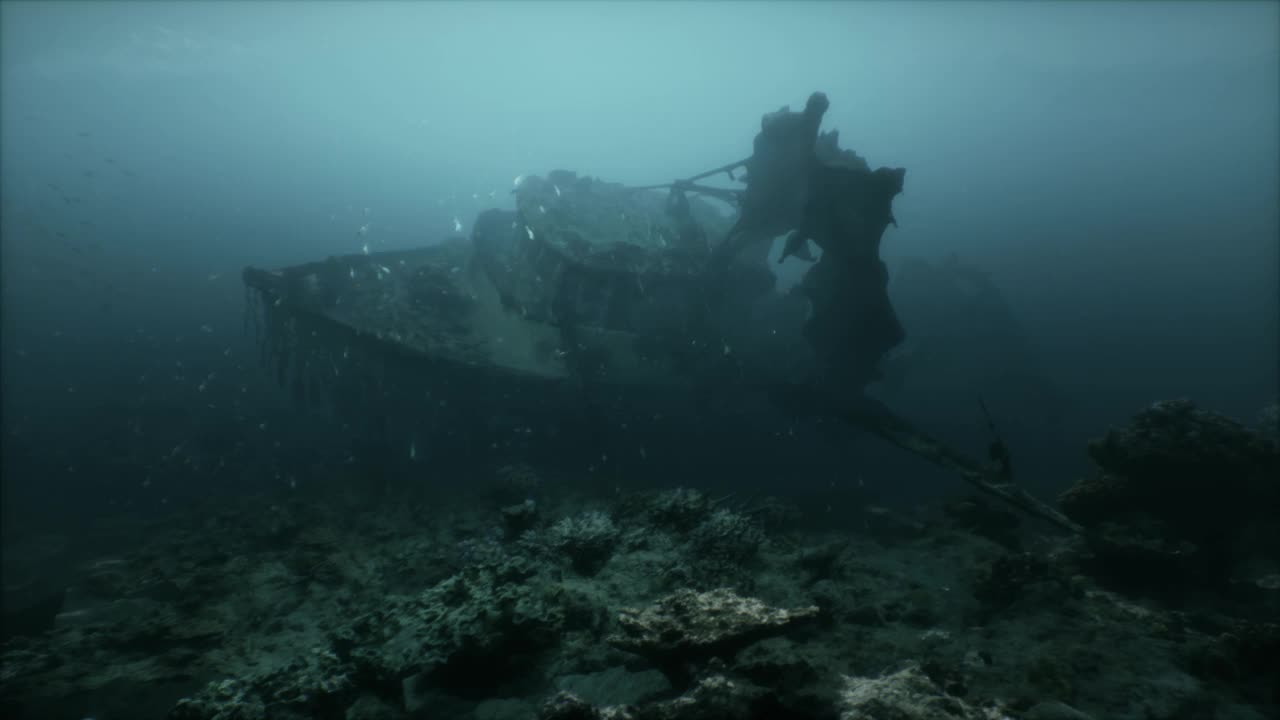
(587, 305)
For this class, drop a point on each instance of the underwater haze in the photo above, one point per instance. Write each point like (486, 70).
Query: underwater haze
(1096, 183)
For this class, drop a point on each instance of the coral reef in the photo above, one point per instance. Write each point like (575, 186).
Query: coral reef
(679, 509)
(588, 539)
(726, 538)
(1182, 495)
(672, 606)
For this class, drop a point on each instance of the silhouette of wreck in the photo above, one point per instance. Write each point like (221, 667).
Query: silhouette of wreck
(586, 304)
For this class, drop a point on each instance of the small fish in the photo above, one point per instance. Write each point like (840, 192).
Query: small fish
(529, 230)
(457, 225)
(557, 189)
(353, 273)
(542, 210)
(492, 194)
(519, 179)
(364, 230)
(365, 248)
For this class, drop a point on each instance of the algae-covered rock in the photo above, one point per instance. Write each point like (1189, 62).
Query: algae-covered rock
(715, 697)
(688, 626)
(908, 694)
(315, 685)
(485, 614)
(564, 705)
